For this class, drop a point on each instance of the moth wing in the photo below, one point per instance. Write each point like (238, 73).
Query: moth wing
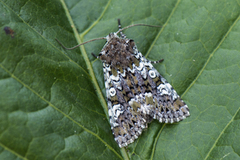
(125, 119)
(136, 95)
(161, 101)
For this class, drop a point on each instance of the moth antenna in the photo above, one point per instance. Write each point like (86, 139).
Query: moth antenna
(79, 44)
(119, 28)
(159, 61)
(133, 25)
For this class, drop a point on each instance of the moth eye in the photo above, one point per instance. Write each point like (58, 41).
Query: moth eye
(112, 92)
(152, 74)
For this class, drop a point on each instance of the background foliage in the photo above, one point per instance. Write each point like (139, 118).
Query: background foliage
(52, 103)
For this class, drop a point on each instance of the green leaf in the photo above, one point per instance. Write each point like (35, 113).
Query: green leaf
(52, 100)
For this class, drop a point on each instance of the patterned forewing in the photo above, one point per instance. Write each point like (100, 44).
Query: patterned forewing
(126, 122)
(162, 101)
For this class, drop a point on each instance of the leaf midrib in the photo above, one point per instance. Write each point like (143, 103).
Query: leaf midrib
(89, 66)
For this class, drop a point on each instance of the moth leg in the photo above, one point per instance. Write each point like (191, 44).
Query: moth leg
(120, 27)
(159, 61)
(94, 55)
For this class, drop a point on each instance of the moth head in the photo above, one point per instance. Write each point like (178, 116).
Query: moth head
(111, 36)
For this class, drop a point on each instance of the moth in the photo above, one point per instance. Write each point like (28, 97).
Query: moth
(136, 92)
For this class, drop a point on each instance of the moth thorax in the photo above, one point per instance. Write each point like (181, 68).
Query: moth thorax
(118, 52)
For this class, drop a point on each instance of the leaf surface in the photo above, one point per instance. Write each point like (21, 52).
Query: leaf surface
(52, 100)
